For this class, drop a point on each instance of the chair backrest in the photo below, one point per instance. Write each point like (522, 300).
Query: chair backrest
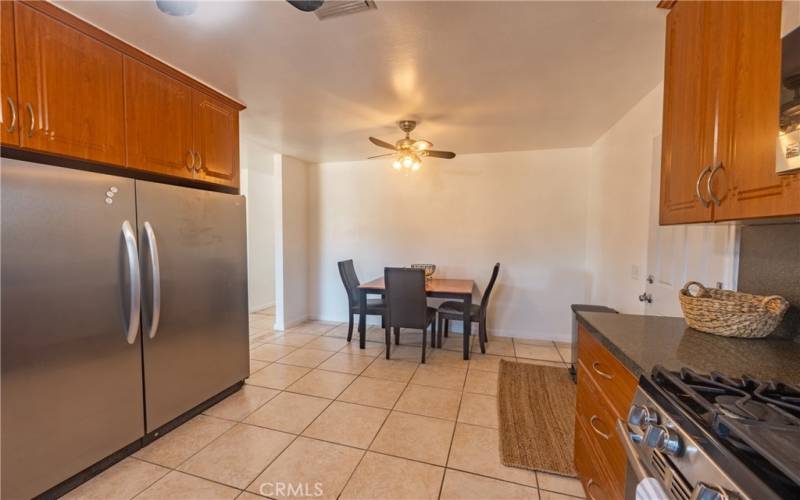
(350, 281)
(488, 291)
(405, 297)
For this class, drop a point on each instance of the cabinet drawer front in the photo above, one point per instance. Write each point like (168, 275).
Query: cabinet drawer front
(599, 421)
(590, 466)
(615, 382)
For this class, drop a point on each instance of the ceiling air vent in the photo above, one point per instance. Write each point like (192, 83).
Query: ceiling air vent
(335, 8)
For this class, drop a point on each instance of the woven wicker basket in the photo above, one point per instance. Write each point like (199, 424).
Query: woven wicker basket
(731, 314)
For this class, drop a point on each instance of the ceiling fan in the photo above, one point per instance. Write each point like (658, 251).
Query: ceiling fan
(409, 152)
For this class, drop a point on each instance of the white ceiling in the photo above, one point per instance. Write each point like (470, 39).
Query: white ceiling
(479, 76)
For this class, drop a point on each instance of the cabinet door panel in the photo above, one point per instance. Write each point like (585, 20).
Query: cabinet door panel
(750, 47)
(9, 107)
(216, 139)
(687, 148)
(159, 121)
(71, 86)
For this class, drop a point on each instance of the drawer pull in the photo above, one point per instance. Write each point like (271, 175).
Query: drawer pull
(589, 485)
(596, 430)
(29, 107)
(600, 372)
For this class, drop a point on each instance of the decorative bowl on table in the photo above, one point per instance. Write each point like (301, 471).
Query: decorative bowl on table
(429, 269)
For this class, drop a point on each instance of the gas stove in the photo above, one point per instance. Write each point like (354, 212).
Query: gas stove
(711, 436)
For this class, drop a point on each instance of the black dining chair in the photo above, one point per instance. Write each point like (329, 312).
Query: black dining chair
(375, 307)
(407, 304)
(453, 310)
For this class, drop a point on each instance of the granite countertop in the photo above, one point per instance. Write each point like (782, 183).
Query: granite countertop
(641, 342)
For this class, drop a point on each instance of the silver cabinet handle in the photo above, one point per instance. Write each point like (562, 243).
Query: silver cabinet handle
(596, 430)
(589, 485)
(199, 165)
(29, 107)
(190, 166)
(13, 108)
(155, 269)
(703, 172)
(600, 372)
(136, 282)
(713, 172)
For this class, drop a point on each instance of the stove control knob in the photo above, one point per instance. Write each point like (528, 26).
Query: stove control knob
(664, 440)
(707, 492)
(642, 416)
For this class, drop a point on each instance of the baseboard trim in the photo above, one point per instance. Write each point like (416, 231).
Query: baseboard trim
(255, 309)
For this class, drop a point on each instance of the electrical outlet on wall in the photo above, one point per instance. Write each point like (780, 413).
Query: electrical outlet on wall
(634, 272)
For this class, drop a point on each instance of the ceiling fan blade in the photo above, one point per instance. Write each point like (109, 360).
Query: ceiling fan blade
(441, 154)
(380, 156)
(422, 145)
(381, 143)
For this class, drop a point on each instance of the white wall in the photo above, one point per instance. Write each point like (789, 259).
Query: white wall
(258, 185)
(526, 210)
(291, 242)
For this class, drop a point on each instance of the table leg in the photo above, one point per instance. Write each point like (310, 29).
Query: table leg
(467, 324)
(362, 321)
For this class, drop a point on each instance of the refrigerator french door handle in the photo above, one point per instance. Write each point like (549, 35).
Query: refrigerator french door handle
(156, 273)
(135, 282)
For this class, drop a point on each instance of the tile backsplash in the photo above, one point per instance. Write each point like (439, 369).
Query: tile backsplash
(769, 264)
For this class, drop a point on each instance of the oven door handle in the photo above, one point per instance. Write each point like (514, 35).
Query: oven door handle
(626, 437)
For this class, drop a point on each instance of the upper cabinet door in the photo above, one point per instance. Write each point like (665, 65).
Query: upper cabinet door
(159, 121)
(216, 139)
(70, 90)
(687, 144)
(9, 108)
(745, 181)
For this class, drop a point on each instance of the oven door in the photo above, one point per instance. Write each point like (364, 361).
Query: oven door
(640, 485)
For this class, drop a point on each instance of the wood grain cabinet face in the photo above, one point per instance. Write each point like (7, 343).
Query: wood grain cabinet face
(9, 107)
(216, 140)
(158, 110)
(70, 90)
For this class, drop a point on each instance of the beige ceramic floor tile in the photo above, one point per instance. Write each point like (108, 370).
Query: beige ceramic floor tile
(124, 480)
(238, 456)
(416, 437)
(327, 344)
(292, 339)
(429, 401)
(378, 334)
(322, 383)
(372, 349)
(242, 402)
(277, 376)
(475, 449)
(179, 486)
(390, 369)
(288, 412)
(565, 352)
(534, 342)
(256, 365)
(349, 424)
(500, 347)
(261, 322)
(310, 463)
(463, 486)
(560, 484)
(373, 392)
(487, 362)
(313, 327)
(381, 476)
(443, 377)
(450, 359)
(341, 332)
(310, 358)
(480, 382)
(346, 363)
(246, 495)
(270, 352)
(456, 342)
(478, 409)
(407, 353)
(550, 495)
(184, 441)
(546, 353)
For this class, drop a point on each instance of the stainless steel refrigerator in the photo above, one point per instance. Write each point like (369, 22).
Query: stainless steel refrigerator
(124, 305)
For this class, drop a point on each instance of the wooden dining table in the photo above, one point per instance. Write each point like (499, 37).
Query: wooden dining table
(444, 288)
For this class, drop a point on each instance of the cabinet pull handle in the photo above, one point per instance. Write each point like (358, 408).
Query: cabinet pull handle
(600, 372)
(703, 172)
(711, 195)
(199, 165)
(596, 430)
(589, 485)
(190, 166)
(13, 108)
(29, 107)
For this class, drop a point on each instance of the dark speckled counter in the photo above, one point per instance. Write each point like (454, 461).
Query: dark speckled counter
(641, 342)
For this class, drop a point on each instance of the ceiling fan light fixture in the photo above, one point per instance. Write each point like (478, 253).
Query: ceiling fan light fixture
(397, 165)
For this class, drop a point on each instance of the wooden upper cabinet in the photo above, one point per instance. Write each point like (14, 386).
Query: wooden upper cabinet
(216, 140)
(746, 182)
(9, 107)
(158, 110)
(70, 90)
(687, 141)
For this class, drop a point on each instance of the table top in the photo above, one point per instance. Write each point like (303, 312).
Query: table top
(435, 285)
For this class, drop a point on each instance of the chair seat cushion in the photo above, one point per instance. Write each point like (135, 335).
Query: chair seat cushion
(456, 307)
